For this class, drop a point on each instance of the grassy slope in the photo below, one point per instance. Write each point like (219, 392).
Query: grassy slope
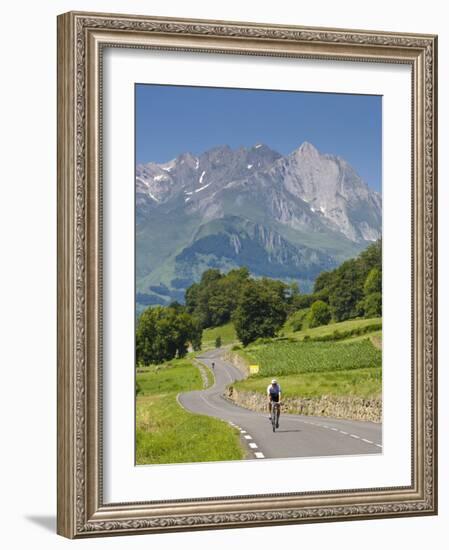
(311, 369)
(167, 433)
(328, 329)
(356, 382)
(227, 333)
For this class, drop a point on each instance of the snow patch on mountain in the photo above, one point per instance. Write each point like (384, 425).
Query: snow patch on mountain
(201, 188)
(305, 190)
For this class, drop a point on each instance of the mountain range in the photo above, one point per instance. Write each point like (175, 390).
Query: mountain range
(288, 217)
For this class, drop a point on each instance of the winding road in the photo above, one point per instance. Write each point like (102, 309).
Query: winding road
(297, 436)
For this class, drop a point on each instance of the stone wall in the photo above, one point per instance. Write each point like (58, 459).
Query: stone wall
(354, 408)
(237, 361)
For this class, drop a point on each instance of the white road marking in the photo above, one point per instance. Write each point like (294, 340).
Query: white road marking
(230, 372)
(340, 431)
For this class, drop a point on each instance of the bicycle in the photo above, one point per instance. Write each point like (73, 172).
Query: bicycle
(275, 412)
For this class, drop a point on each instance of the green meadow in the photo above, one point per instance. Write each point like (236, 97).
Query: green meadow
(167, 433)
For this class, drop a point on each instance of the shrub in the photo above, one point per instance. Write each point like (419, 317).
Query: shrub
(320, 314)
(373, 281)
(260, 341)
(373, 304)
(297, 320)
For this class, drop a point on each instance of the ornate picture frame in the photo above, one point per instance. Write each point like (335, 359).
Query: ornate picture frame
(82, 39)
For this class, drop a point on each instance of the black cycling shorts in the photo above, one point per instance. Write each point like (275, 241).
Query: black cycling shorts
(274, 397)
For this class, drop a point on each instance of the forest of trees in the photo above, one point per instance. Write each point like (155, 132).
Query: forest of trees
(259, 307)
(164, 333)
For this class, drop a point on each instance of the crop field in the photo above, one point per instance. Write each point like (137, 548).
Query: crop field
(282, 358)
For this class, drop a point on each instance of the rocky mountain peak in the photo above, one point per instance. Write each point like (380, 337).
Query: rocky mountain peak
(287, 216)
(303, 190)
(307, 149)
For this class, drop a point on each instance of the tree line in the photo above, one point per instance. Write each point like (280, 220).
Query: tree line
(354, 289)
(259, 307)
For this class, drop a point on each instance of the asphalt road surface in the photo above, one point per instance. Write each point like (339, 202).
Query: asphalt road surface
(297, 436)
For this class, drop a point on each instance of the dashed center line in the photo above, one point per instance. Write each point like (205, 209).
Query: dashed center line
(253, 445)
(247, 437)
(259, 455)
(326, 426)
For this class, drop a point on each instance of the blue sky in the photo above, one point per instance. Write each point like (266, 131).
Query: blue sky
(176, 119)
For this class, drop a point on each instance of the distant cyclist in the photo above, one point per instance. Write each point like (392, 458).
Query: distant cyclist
(213, 365)
(274, 396)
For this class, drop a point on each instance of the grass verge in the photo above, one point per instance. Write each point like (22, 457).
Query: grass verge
(363, 383)
(165, 432)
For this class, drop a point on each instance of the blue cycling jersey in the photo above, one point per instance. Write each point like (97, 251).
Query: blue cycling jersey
(274, 390)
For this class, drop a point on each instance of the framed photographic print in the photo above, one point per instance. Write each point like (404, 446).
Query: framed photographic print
(246, 274)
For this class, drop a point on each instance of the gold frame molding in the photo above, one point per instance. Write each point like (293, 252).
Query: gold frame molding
(81, 38)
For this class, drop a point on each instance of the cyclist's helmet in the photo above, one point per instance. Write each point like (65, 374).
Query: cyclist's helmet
(274, 381)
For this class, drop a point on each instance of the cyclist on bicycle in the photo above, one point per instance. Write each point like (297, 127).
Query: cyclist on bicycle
(274, 396)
